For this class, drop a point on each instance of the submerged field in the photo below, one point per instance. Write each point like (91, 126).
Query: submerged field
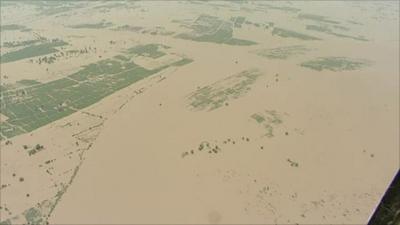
(335, 64)
(197, 112)
(212, 29)
(221, 92)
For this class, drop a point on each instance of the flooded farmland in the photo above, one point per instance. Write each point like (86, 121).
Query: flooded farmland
(197, 112)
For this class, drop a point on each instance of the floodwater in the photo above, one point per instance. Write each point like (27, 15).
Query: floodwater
(192, 112)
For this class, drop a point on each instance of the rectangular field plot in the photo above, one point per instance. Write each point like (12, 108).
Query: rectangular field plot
(32, 51)
(212, 29)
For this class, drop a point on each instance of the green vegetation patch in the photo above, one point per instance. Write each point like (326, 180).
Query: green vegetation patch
(32, 51)
(158, 30)
(335, 64)
(327, 30)
(128, 28)
(284, 8)
(341, 27)
(11, 27)
(182, 62)
(102, 24)
(20, 43)
(111, 5)
(354, 22)
(27, 82)
(48, 11)
(257, 117)
(318, 28)
(268, 119)
(358, 38)
(38, 104)
(317, 18)
(49, 8)
(121, 58)
(149, 50)
(34, 216)
(292, 34)
(282, 52)
(212, 29)
(219, 93)
(39, 214)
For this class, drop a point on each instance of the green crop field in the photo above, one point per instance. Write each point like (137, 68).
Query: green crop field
(212, 29)
(11, 27)
(317, 18)
(20, 43)
(327, 30)
(150, 50)
(32, 51)
(292, 34)
(335, 64)
(99, 25)
(42, 103)
(282, 52)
